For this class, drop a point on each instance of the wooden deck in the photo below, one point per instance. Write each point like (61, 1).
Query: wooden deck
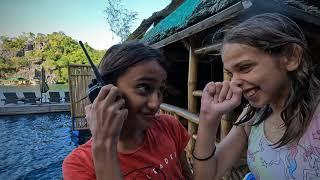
(33, 108)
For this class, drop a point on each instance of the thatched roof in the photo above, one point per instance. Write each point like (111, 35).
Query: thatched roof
(193, 11)
(187, 14)
(308, 6)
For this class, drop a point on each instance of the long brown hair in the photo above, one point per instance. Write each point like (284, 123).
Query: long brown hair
(276, 34)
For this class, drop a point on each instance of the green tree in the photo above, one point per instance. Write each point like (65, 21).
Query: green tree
(119, 19)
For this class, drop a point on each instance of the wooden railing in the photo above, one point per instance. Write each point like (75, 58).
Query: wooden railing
(179, 112)
(237, 171)
(186, 118)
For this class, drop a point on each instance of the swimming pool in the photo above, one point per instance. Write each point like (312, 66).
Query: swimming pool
(34, 146)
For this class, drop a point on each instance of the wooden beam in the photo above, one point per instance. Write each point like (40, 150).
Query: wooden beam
(192, 100)
(191, 117)
(210, 48)
(192, 79)
(197, 93)
(222, 16)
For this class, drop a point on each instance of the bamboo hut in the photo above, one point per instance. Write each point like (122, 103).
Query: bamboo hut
(185, 37)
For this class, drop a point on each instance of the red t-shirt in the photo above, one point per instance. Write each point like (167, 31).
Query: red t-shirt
(157, 158)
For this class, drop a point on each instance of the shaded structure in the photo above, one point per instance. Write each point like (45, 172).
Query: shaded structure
(186, 38)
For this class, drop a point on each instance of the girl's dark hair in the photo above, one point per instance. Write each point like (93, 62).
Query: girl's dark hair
(278, 35)
(120, 57)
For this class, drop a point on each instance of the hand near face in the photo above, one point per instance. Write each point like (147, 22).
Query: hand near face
(106, 116)
(219, 98)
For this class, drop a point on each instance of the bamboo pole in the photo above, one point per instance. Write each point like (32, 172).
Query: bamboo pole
(192, 100)
(208, 49)
(183, 113)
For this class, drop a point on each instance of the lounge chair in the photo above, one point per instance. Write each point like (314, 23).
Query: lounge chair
(11, 98)
(66, 97)
(54, 97)
(30, 97)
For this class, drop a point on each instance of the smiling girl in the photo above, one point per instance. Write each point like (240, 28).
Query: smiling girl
(268, 61)
(129, 139)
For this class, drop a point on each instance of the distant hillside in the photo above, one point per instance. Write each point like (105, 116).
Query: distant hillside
(23, 56)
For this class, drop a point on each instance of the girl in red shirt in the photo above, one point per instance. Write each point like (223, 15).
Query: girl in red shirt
(129, 139)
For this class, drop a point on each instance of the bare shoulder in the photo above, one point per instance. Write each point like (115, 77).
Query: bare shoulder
(247, 125)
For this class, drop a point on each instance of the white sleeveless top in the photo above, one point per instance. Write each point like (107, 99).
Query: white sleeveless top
(295, 161)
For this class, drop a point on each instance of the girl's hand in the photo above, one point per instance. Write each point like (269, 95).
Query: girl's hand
(106, 116)
(219, 98)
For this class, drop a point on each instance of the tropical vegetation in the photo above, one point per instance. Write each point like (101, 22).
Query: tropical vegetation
(23, 55)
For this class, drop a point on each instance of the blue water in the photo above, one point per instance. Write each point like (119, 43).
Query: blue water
(34, 146)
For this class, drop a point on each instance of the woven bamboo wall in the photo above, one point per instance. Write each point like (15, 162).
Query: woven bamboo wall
(79, 78)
